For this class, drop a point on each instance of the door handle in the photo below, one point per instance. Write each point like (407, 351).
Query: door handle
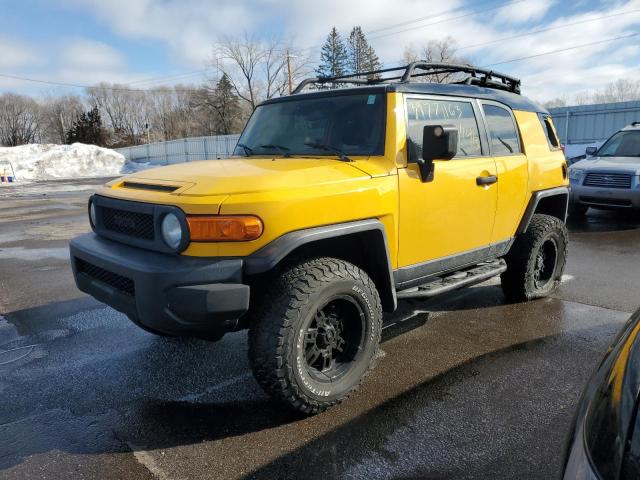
(481, 181)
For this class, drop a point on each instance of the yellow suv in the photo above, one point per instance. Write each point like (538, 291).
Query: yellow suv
(337, 203)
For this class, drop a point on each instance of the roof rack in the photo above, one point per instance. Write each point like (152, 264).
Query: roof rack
(477, 76)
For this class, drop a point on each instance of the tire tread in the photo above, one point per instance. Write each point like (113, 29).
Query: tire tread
(271, 330)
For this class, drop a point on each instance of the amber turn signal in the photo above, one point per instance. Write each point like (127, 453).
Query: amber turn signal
(235, 228)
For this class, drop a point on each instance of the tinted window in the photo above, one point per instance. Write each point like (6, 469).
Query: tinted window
(622, 144)
(421, 112)
(502, 131)
(547, 126)
(353, 124)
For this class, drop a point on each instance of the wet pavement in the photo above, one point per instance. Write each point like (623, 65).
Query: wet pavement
(467, 386)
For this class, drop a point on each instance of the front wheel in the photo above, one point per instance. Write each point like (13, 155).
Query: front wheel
(536, 260)
(317, 335)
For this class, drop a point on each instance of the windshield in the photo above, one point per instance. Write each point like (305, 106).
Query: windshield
(333, 125)
(622, 144)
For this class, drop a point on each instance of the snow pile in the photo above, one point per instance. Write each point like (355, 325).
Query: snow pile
(45, 162)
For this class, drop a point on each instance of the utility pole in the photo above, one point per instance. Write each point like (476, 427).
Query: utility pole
(289, 56)
(63, 136)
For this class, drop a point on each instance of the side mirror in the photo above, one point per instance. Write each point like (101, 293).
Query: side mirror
(439, 142)
(591, 150)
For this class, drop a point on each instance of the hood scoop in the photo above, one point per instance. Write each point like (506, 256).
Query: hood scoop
(150, 186)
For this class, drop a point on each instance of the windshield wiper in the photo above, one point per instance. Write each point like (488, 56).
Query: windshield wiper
(247, 150)
(328, 148)
(284, 151)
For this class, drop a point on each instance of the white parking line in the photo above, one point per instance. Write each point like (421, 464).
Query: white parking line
(192, 397)
(148, 462)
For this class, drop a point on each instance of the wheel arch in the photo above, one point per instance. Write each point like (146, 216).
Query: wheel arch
(363, 243)
(554, 202)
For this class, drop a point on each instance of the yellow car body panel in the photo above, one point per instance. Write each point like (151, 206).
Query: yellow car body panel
(423, 221)
(453, 210)
(547, 168)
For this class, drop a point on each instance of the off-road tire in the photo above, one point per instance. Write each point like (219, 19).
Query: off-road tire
(279, 328)
(519, 281)
(577, 210)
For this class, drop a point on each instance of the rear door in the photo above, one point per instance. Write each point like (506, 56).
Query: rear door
(505, 145)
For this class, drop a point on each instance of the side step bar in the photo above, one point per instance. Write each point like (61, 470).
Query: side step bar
(456, 280)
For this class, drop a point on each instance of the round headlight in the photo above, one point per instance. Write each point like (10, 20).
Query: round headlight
(92, 214)
(171, 230)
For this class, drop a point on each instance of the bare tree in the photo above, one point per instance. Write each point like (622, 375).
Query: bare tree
(19, 120)
(239, 59)
(257, 69)
(556, 102)
(58, 115)
(126, 112)
(440, 51)
(622, 90)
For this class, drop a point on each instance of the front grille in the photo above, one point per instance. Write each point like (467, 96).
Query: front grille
(609, 180)
(133, 224)
(120, 283)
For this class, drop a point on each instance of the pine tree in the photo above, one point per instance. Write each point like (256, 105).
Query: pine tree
(333, 58)
(226, 105)
(87, 128)
(372, 61)
(361, 56)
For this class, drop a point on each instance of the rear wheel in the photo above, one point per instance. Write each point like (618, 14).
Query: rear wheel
(317, 335)
(536, 260)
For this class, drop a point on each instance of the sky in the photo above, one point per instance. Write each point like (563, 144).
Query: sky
(83, 42)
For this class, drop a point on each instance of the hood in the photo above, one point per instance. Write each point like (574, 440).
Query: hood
(610, 164)
(244, 175)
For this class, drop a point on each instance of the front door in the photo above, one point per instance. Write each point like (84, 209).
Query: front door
(451, 217)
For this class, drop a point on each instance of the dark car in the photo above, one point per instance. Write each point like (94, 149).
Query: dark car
(605, 439)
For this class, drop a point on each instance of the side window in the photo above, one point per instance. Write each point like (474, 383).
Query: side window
(421, 112)
(503, 134)
(550, 131)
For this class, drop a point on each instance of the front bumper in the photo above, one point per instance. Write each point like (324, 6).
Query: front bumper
(605, 197)
(171, 294)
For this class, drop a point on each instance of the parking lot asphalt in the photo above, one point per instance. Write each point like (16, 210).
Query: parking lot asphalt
(466, 386)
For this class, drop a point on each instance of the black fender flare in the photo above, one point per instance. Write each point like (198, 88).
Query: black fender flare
(269, 256)
(562, 195)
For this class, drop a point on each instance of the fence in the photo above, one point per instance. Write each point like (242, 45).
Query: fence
(593, 123)
(183, 150)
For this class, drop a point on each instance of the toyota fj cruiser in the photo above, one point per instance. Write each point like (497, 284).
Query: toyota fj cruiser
(337, 203)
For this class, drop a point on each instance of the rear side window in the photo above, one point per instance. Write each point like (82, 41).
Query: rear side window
(550, 131)
(422, 111)
(503, 134)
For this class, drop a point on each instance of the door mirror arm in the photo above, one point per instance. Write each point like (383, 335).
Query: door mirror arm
(427, 170)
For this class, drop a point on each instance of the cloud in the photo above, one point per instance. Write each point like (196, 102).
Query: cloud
(82, 53)
(188, 27)
(524, 12)
(187, 30)
(15, 54)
